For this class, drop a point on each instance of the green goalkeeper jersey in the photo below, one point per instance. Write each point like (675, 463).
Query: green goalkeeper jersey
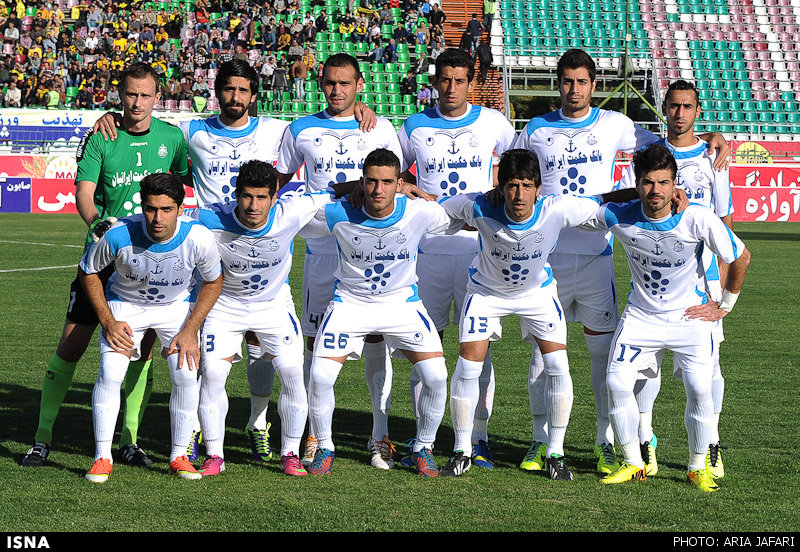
(118, 166)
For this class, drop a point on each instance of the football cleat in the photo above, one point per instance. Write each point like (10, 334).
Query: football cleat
(382, 453)
(259, 444)
(36, 455)
(424, 463)
(214, 465)
(406, 461)
(457, 465)
(133, 455)
(99, 471)
(557, 467)
(606, 458)
(482, 455)
(714, 461)
(183, 468)
(534, 458)
(309, 450)
(323, 462)
(625, 472)
(193, 450)
(649, 456)
(702, 480)
(292, 465)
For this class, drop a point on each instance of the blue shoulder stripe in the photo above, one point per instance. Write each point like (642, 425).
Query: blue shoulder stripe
(321, 121)
(553, 119)
(431, 118)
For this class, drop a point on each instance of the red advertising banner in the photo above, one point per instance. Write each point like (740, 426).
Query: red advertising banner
(51, 195)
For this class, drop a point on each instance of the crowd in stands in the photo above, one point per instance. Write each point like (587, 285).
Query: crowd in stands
(58, 56)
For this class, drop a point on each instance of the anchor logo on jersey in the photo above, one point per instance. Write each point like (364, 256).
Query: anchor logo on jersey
(253, 253)
(453, 136)
(379, 246)
(341, 138)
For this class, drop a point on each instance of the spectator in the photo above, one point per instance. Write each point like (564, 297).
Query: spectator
(13, 96)
(475, 30)
(437, 18)
(295, 50)
(299, 72)
(267, 69)
(409, 83)
(390, 52)
(484, 55)
(424, 97)
(377, 52)
(201, 87)
(400, 34)
(11, 34)
(489, 9)
(113, 100)
(280, 83)
(422, 65)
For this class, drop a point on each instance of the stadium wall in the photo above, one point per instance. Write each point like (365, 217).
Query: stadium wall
(37, 167)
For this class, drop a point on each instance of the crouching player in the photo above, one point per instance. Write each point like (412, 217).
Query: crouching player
(255, 235)
(376, 293)
(510, 275)
(154, 255)
(668, 307)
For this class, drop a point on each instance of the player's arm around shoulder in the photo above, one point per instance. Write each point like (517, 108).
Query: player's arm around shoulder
(461, 207)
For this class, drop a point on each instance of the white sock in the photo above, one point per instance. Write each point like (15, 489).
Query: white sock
(106, 401)
(292, 403)
(432, 400)
(464, 393)
(183, 404)
(536, 384)
(258, 411)
(599, 346)
(623, 411)
(214, 404)
(559, 398)
(699, 416)
(321, 399)
(378, 373)
(633, 454)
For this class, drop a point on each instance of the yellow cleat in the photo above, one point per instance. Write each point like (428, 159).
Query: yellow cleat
(606, 460)
(626, 472)
(702, 480)
(649, 456)
(714, 461)
(534, 459)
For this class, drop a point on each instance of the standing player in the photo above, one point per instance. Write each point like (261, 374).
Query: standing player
(376, 275)
(510, 275)
(255, 235)
(107, 187)
(668, 307)
(333, 149)
(453, 145)
(703, 185)
(576, 147)
(153, 256)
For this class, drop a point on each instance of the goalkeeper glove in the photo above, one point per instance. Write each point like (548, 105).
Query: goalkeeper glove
(100, 227)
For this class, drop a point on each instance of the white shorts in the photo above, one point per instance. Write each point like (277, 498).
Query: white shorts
(318, 282)
(540, 316)
(404, 326)
(641, 335)
(443, 282)
(167, 321)
(587, 289)
(274, 323)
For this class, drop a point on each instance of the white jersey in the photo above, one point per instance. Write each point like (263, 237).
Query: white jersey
(333, 150)
(149, 272)
(703, 185)
(454, 155)
(378, 257)
(513, 255)
(218, 151)
(664, 255)
(576, 156)
(256, 262)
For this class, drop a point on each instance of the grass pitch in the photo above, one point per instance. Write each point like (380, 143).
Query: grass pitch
(760, 365)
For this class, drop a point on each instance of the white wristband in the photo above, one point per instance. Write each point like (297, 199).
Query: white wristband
(728, 300)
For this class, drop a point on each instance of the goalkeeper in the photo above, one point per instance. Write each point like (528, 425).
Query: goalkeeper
(107, 188)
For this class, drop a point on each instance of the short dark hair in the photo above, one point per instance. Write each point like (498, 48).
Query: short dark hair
(162, 184)
(681, 84)
(455, 57)
(575, 59)
(518, 163)
(342, 60)
(654, 157)
(382, 157)
(236, 68)
(257, 174)
(140, 71)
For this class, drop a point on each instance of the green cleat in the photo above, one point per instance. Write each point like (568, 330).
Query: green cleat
(714, 461)
(649, 456)
(259, 444)
(626, 472)
(702, 480)
(534, 459)
(606, 459)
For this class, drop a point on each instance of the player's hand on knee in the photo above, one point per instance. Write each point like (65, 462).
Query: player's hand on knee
(185, 344)
(107, 125)
(119, 336)
(100, 227)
